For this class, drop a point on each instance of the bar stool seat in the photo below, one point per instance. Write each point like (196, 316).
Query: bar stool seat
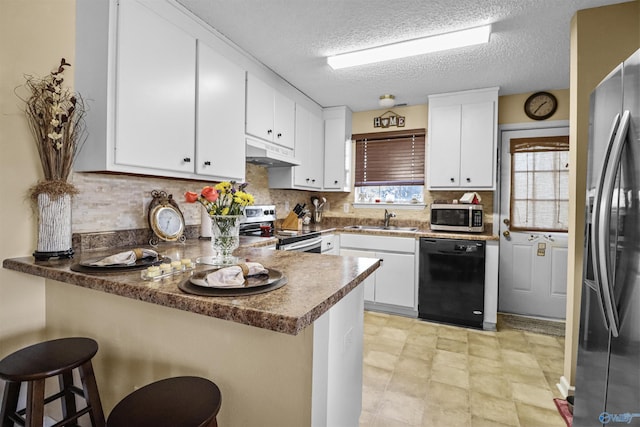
(172, 402)
(36, 363)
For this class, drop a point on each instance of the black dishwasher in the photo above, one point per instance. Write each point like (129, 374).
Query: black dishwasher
(451, 281)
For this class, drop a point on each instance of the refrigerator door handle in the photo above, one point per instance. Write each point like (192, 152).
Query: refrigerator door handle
(595, 224)
(604, 229)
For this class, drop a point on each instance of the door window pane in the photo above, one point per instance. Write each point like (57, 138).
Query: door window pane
(540, 184)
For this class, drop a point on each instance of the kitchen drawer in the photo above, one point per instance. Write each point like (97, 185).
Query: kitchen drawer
(378, 243)
(329, 243)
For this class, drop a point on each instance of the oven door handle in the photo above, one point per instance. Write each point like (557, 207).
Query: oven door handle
(303, 245)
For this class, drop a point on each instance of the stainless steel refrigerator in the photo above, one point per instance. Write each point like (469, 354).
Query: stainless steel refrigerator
(608, 369)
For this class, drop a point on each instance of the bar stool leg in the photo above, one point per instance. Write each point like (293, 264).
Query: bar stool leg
(35, 403)
(91, 394)
(9, 402)
(68, 401)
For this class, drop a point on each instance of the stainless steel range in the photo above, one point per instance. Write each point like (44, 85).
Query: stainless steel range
(260, 220)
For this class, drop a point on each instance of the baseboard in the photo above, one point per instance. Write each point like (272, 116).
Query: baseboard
(489, 326)
(390, 309)
(565, 388)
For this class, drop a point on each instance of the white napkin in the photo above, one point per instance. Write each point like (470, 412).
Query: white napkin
(126, 258)
(234, 276)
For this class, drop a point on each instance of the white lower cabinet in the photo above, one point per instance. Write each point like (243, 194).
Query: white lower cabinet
(393, 288)
(370, 285)
(395, 281)
(330, 244)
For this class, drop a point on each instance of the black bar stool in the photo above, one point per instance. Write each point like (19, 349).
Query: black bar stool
(36, 363)
(172, 402)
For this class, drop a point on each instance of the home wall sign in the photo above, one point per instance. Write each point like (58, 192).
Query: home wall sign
(388, 119)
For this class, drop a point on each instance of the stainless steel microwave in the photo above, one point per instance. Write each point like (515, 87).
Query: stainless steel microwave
(457, 217)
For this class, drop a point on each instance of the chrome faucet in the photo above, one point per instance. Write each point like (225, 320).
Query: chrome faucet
(388, 215)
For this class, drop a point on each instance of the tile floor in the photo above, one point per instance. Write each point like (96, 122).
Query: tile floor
(425, 374)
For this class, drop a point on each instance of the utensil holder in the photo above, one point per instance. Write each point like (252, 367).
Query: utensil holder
(292, 222)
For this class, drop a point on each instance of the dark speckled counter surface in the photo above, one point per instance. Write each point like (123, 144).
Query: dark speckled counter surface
(315, 283)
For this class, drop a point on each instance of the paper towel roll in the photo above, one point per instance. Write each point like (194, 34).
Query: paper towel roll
(205, 223)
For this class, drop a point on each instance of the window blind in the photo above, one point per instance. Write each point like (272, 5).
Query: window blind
(390, 158)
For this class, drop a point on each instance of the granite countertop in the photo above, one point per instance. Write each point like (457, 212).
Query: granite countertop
(422, 231)
(315, 283)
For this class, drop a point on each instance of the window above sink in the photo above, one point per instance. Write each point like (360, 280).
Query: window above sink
(389, 168)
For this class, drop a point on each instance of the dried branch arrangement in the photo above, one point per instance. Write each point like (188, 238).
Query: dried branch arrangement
(55, 115)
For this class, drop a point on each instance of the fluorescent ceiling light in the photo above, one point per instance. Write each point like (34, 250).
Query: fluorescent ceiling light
(414, 47)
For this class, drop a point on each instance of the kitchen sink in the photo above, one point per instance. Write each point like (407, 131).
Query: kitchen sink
(381, 228)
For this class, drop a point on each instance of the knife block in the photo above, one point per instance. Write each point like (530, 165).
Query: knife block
(292, 222)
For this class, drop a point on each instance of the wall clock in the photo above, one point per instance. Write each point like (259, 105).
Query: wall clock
(540, 106)
(165, 218)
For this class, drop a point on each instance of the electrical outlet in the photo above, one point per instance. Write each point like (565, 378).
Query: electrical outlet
(345, 207)
(286, 206)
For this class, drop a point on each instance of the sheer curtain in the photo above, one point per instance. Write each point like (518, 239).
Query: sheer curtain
(540, 183)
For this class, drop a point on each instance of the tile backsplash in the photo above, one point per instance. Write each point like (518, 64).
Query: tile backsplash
(109, 202)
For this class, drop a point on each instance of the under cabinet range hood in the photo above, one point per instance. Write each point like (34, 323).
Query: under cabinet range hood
(270, 155)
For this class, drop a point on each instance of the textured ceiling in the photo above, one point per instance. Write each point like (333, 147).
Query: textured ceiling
(528, 50)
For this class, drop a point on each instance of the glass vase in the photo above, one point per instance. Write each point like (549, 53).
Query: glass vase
(225, 237)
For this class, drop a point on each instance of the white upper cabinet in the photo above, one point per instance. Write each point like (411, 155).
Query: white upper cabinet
(462, 137)
(337, 148)
(155, 93)
(308, 149)
(284, 120)
(153, 109)
(270, 114)
(309, 141)
(220, 147)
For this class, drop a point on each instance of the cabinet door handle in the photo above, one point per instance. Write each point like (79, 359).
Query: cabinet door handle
(468, 179)
(207, 163)
(453, 180)
(269, 131)
(187, 160)
(279, 135)
(335, 182)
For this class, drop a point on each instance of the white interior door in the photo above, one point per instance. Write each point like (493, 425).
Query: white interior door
(533, 264)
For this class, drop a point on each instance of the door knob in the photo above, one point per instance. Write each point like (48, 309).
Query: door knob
(506, 234)
(506, 221)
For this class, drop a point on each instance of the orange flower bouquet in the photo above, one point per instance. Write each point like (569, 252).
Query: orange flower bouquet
(225, 205)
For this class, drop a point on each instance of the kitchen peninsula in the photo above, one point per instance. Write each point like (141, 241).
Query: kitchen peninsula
(289, 357)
